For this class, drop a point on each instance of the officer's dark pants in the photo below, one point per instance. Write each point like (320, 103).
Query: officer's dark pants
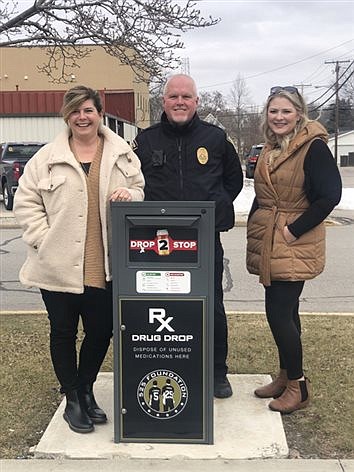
(220, 324)
(64, 310)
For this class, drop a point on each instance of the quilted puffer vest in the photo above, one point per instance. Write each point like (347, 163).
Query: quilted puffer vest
(281, 198)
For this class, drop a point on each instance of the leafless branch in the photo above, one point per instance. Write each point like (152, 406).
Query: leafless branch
(143, 34)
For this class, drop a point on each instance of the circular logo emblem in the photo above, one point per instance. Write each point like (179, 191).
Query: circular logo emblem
(162, 394)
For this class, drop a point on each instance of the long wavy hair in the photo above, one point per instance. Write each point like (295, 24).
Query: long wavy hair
(280, 144)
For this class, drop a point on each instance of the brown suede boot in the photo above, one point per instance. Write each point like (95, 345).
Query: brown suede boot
(295, 397)
(275, 388)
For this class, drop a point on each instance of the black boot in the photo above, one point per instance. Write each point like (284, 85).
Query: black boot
(75, 416)
(222, 387)
(89, 405)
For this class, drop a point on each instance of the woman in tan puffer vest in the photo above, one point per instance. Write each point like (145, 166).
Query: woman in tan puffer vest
(297, 184)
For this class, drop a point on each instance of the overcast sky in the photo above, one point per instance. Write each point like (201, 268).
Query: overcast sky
(270, 43)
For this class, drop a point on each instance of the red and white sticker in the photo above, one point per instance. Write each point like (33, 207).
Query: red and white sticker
(163, 246)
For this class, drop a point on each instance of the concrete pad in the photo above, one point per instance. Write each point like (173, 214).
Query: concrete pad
(244, 428)
(348, 465)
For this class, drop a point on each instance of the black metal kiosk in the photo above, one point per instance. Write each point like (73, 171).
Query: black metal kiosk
(163, 283)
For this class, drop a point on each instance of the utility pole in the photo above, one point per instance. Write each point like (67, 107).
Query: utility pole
(336, 112)
(301, 86)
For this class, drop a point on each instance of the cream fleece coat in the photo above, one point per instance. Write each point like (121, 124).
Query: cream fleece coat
(51, 206)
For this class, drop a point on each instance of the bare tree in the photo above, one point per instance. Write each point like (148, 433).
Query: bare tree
(252, 129)
(239, 96)
(156, 104)
(143, 34)
(211, 102)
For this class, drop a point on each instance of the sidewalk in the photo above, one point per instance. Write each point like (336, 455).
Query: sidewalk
(7, 219)
(337, 217)
(177, 465)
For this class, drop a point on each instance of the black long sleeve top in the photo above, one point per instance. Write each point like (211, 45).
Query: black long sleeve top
(323, 188)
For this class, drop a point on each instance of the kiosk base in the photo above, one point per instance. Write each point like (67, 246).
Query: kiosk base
(244, 429)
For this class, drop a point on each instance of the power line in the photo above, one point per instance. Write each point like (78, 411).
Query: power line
(336, 93)
(281, 67)
(333, 94)
(334, 85)
(320, 69)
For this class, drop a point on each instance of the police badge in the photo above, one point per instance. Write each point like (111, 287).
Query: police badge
(202, 155)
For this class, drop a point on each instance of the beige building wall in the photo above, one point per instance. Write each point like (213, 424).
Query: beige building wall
(18, 71)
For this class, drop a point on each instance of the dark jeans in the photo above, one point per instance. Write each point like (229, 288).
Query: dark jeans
(282, 309)
(220, 323)
(64, 310)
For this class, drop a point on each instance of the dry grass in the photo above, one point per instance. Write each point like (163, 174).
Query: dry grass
(29, 390)
(325, 429)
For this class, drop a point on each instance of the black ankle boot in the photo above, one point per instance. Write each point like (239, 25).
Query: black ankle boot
(88, 403)
(75, 416)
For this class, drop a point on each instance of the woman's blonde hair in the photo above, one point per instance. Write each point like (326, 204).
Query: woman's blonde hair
(76, 96)
(280, 144)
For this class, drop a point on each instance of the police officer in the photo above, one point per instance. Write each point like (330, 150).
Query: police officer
(185, 158)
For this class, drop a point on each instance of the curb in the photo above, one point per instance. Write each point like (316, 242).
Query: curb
(22, 312)
(240, 221)
(308, 313)
(228, 313)
(8, 223)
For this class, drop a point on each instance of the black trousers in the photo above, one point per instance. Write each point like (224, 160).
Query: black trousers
(64, 310)
(282, 309)
(220, 322)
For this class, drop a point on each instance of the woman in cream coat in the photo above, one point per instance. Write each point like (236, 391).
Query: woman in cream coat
(63, 205)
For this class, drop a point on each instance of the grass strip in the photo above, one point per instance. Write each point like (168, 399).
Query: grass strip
(29, 391)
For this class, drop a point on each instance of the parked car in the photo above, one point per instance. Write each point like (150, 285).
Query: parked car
(13, 158)
(251, 159)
